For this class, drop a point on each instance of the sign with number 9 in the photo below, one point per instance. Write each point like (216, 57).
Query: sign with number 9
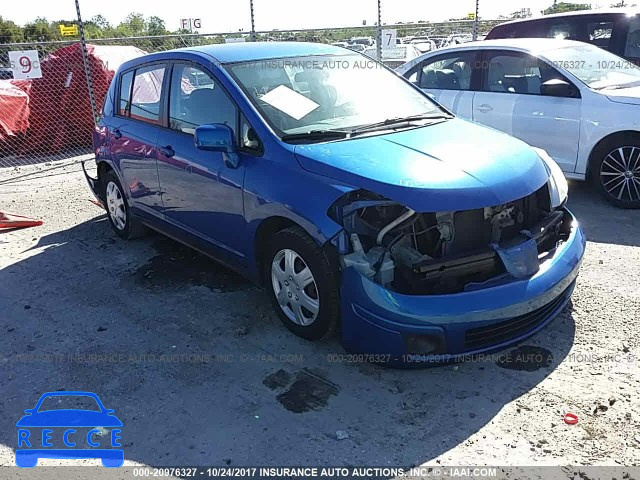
(25, 64)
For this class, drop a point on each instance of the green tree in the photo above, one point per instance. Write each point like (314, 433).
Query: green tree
(156, 26)
(132, 26)
(560, 7)
(10, 32)
(40, 30)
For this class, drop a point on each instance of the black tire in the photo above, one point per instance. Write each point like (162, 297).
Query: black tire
(132, 227)
(615, 171)
(325, 281)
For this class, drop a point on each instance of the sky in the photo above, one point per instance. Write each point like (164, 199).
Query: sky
(229, 16)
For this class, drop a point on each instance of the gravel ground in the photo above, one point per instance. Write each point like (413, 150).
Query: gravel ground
(200, 370)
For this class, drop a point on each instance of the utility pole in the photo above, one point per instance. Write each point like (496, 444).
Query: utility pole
(475, 21)
(253, 23)
(379, 32)
(85, 61)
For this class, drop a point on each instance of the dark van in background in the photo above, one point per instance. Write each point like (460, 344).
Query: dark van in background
(617, 31)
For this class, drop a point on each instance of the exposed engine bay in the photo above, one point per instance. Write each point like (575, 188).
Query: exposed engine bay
(448, 252)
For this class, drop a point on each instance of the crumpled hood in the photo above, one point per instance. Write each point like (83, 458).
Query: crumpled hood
(629, 95)
(453, 165)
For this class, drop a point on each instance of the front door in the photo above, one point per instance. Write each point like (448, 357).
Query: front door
(511, 101)
(448, 79)
(201, 193)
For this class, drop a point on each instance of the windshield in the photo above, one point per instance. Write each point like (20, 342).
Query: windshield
(69, 402)
(303, 94)
(595, 67)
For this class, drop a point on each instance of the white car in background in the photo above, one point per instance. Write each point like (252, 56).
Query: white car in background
(576, 101)
(395, 56)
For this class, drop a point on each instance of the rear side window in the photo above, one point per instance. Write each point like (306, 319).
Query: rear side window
(125, 94)
(451, 72)
(146, 94)
(568, 30)
(632, 45)
(599, 34)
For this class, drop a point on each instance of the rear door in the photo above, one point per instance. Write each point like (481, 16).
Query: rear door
(511, 101)
(449, 79)
(133, 135)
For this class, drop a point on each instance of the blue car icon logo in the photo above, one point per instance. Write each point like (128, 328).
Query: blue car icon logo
(69, 425)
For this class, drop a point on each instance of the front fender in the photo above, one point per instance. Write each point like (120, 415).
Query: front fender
(299, 196)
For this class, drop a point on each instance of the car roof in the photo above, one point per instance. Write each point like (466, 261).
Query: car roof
(577, 13)
(524, 44)
(529, 45)
(252, 51)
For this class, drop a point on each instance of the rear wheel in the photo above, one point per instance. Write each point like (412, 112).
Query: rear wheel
(302, 284)
(616, 173)
(122, 222)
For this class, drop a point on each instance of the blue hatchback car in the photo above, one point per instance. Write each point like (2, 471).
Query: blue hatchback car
(360, 204)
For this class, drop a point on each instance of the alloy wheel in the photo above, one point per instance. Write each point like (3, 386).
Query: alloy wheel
(116, 206)
(295, 287)
(620, 174)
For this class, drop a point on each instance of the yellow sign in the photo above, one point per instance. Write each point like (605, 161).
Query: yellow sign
(70, 31)
(471, 16)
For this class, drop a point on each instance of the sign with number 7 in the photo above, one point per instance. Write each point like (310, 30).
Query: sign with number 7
(389, 39)
(25, 64)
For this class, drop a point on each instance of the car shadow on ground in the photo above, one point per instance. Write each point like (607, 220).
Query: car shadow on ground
(200, 371)
(602, 222)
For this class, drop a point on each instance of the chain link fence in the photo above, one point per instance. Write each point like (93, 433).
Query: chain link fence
(49, 116)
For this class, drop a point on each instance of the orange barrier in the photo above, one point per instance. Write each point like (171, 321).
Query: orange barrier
(8, 220)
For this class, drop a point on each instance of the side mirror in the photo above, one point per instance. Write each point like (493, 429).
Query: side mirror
(558, 88)
(29, 411)
(217, 137)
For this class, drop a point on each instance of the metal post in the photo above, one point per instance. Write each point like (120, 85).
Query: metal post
(379, 32)
(87, 69)
(253, 22)
(475, 21)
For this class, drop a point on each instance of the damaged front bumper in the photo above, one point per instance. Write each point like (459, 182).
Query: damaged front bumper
(448, 327)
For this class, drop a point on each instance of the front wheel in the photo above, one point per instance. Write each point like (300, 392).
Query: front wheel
(302, 284)
(616, 173)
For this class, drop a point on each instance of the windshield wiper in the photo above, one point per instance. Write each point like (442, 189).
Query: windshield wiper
(399, 120)
(316, 135)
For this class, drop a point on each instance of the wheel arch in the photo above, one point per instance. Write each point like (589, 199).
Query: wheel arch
(270, 226)
(610, 139)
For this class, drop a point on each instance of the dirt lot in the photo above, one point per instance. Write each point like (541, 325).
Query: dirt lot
(200, 370)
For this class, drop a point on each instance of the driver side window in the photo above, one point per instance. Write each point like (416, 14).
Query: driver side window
(197, 99)
(512, 72)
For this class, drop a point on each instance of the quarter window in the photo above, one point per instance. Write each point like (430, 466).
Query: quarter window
(125, 93)
(197, 99)
(146, 94)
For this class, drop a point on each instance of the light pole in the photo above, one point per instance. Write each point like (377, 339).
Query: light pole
(85, 61)
(253, 23)
(475, 21)
(379, 32)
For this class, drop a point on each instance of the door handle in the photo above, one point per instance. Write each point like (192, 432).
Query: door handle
(117, 134)
(485, 108)
(167, 151)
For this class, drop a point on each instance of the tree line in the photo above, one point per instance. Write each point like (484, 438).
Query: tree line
(137, 25)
